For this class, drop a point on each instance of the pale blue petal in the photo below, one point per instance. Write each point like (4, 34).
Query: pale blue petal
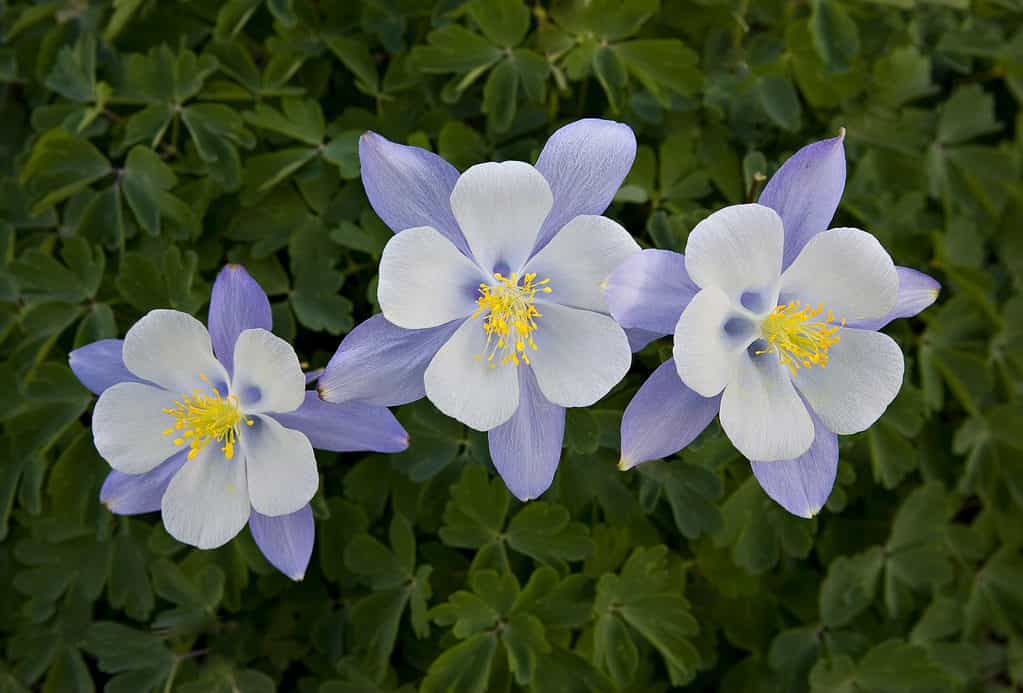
(409, 187)
(802, 485)
(346, 427)
(237, 303)
(663, 417)
(100, 365)
(286, 540)
(585, 163)
(134, 494)
(649, 291)
(526, 449)
(380, 363)
(916, 292)
(805, 192)
(640, 338)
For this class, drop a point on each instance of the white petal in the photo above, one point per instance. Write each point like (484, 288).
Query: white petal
(580, 258)
(280, 465)
(846, 270)
(863, 375)
(710, 338)
(207, 501)
(128, 424)
(424, 281)
(171, 349)
(762, 414)
(500, 207)
(267, 373)
(738, 249)
(580, 355)
(466, 388)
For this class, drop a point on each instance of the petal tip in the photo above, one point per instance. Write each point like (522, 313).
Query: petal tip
(625, 464)
(841, 134)
(297, 577)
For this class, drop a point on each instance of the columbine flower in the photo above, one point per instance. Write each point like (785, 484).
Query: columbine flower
(216, 428)
(492, 291)
(775, 329)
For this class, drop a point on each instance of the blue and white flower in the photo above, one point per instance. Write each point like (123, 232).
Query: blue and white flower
(775, 325)
(215, 428)
(491, 291)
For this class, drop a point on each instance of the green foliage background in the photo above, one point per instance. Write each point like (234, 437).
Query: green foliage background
(145, 143)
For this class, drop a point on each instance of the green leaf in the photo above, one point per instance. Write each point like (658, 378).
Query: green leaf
(915, 550)
(644, 596)
(504, 22)
(74, 74)
(455, 49)
(145, 182)
(122, 649)
(464, 667)
(355, 55)
(475, 514)
(691, 492)
(546, 533)
(889, 667)
(969, 113)
(850, 586)
(500, 93)
(781, 103)
(60, 166)
(76, 279)
(663, 66)
(300, 120)
(835, 35)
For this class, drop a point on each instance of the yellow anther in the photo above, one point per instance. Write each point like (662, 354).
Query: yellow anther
(510, 316)
(202, 417)
(799, 337)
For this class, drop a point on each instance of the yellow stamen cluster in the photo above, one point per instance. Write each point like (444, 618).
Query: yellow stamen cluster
(800, 339)
(511, 317)
(200, 417)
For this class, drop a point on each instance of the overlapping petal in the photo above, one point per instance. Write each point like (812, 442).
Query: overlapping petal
(526, 448)
(346, 426)
(663, 417)
(134, 494)
(286, 540)
(380, 363)
(580, 355)
(649, 290)
(846, 271)
(580, 258)
(172, 349)
(409, 187)
(280, 466)
(425, 282)
(863, 375)
(237, 303)
(802, 485)
(738, 250)
(460, 382)
(710, 339)
(268, 376)
(128, 426)
(207, 501)
(100, 365)
(500, 207)
(805, 192)
(917, 291)
(585, 163)
(762, 414)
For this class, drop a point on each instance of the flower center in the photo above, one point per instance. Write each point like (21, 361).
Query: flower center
(800, 339)
(510, 317)
(200, 418)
